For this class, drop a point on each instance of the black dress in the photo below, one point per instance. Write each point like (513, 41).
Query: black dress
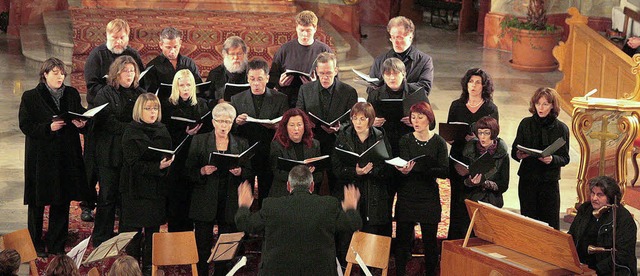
(419, 199)
(458, 112)
(178, 186)
(53, 166)
(539, 187)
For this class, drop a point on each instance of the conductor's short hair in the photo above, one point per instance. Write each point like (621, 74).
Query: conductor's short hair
(300, 176)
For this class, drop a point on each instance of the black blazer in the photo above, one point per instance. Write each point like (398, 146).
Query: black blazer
(218, 78)
(204, 198)
(299, 232)
(273, 106)
(280, 177)
(344, 98)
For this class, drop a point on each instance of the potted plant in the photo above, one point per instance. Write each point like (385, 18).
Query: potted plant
(533, 39)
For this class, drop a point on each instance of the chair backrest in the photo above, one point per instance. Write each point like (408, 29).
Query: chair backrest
(373, 249)
(94, 272)
(21, 241)
(629, 14)
(176, 248)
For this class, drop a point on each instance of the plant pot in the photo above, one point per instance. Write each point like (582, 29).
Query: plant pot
(532, 50)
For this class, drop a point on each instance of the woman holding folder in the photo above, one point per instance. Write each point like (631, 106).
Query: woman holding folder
(294, 141)
(488, 186)
(369, 174)
(182, 105)
(120, 93)
(539, 187)
(53, 167)
(475, 102)
(143, 171)
(214, 199)
(418, 193)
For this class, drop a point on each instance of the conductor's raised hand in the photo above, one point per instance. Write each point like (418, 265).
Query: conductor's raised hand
(351, 197)
(245, 194)
(166, 162)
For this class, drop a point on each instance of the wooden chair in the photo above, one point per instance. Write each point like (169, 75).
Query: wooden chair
(94, 272)
(21, 241)
(373, 249)
(176, 248)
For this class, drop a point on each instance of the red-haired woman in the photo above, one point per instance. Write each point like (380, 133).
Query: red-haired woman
(539, 188)
(418, 194)
(293, 140)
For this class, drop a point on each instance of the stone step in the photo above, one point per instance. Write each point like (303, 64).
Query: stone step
(35, 47)
(59, 33)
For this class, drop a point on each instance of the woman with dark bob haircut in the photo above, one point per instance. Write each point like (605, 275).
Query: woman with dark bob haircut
(418, 194)
(538, 187)
(475, 102)
(54, 172)
(593, 225)
(490, 186)
(371, 177)
(293, 140)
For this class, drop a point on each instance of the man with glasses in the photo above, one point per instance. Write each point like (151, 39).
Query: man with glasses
(233, 69)
(259, 102)
(168, 63)
(419, 66)
(95, 72)
(299, 55)
(327, 98)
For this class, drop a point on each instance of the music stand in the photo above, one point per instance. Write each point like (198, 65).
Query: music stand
(226, 247)
(110, 247)
(77, 253)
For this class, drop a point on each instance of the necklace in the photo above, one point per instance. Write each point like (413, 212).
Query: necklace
(420, 143)
(475, 105)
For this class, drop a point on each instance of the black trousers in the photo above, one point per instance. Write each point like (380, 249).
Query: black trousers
(108, 199)
(58, 227)
(204, 243)
(405, 234)
(89, 202)
(540, 200)
(142, 243)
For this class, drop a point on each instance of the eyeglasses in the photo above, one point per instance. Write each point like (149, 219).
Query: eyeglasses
(238, 55)
(151, 108)
(484, 132)
(223, 122)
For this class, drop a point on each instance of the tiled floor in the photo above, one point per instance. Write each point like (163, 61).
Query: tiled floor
(452, 55)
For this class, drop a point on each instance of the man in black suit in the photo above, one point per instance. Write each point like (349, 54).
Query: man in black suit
(299, 229)
(232, 70)
(259, 102)
(327, 98)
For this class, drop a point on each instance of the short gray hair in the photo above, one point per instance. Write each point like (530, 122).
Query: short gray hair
(233, 42)
(170, 33)
(224, 109)
(300, 176)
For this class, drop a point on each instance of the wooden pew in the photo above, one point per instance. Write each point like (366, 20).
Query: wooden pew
(588, 60)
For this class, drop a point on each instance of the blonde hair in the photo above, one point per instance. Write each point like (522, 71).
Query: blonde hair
(116, 68)
(125, 266)
(175, 87)
(142, 100)
(118, 25)
(306, 18)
